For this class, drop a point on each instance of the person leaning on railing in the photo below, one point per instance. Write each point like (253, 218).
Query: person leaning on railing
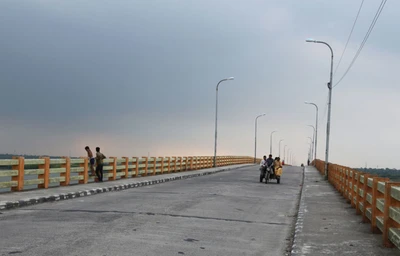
(99, 164)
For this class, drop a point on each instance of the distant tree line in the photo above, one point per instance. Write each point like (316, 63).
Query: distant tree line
(393, 174)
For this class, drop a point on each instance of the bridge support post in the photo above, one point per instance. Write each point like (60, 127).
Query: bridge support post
(136, 159)
(21, 174)
(126, 168)
(67, 173)
(113, 171)
(146, 164)
(358, 196)
(174, 160)
(45, 175)
(388, 222)
(366, 204)
(376, 194)
(162, 165)
(191, 163)
(350, 186)
(169, 164)
(154, 166)
(342, 180)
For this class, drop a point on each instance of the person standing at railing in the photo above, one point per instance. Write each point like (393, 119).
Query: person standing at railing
(91, 160)
(99, 164)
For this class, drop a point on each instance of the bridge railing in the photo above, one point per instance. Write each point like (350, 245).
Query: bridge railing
(19, 174)
(375, 198)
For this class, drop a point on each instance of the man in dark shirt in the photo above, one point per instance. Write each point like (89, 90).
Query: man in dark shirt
(270, 162)
(99, 164)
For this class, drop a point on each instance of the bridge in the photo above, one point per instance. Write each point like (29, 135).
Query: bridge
(185, 206)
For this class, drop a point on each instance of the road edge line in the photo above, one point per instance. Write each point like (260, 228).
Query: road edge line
(297, 226)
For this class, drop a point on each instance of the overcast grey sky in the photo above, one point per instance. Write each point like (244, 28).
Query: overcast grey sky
(137, 77)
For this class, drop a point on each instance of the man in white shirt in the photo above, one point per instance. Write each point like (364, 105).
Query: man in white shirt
(263, 168)
(264, 162)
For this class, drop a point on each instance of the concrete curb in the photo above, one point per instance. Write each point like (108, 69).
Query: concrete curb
(134, 184)
(300, 217)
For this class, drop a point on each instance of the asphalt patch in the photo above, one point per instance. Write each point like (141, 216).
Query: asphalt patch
(190, 240)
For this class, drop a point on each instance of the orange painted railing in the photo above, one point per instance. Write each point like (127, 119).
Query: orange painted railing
(45, 172)
(376, 199)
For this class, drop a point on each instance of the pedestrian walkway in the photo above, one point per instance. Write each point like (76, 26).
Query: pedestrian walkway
(327, 225)
(31, 197)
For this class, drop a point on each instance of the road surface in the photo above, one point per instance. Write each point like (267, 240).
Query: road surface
(228, 213)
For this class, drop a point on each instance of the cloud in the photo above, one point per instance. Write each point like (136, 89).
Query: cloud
(139, 76)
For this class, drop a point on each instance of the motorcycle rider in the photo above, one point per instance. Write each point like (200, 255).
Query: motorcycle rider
(270, 162)
(263, 168)
(263, 162)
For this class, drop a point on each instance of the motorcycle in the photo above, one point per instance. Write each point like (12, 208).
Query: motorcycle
(263, 171)
(268, 174)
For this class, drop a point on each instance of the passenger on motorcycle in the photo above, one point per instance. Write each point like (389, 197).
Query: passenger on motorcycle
(278, 167)
(267, 162)
(263, 167)
(263, 163)
(270, 162)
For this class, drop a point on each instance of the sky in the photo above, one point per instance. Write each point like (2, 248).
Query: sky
(138, 78)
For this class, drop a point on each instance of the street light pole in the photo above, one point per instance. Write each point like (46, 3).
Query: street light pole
(309, 152)
(270, 142)
(284, 153)
(313, 140)
(280, 148)
(311, 148)
(328, 124)
(255, 137)
(316, 128)
(216, 119)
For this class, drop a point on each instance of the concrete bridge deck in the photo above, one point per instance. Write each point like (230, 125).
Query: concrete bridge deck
(328, 225)
(227, 213)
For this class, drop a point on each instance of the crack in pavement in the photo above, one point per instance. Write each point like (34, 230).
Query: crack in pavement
(167, 215)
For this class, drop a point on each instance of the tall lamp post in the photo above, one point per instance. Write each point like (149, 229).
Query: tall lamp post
(311, 148)
(270, 142)
(310, 154)
(313, 139)
(284, 153)
(316, 127)
(328, 124)
(255, 137)
(216, 119)
(280, 147)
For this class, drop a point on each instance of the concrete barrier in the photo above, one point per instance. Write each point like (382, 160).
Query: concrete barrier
(45, 172)
(376, 199)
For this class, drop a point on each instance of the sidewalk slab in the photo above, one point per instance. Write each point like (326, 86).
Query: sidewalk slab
(18, 199)
(328, 225)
